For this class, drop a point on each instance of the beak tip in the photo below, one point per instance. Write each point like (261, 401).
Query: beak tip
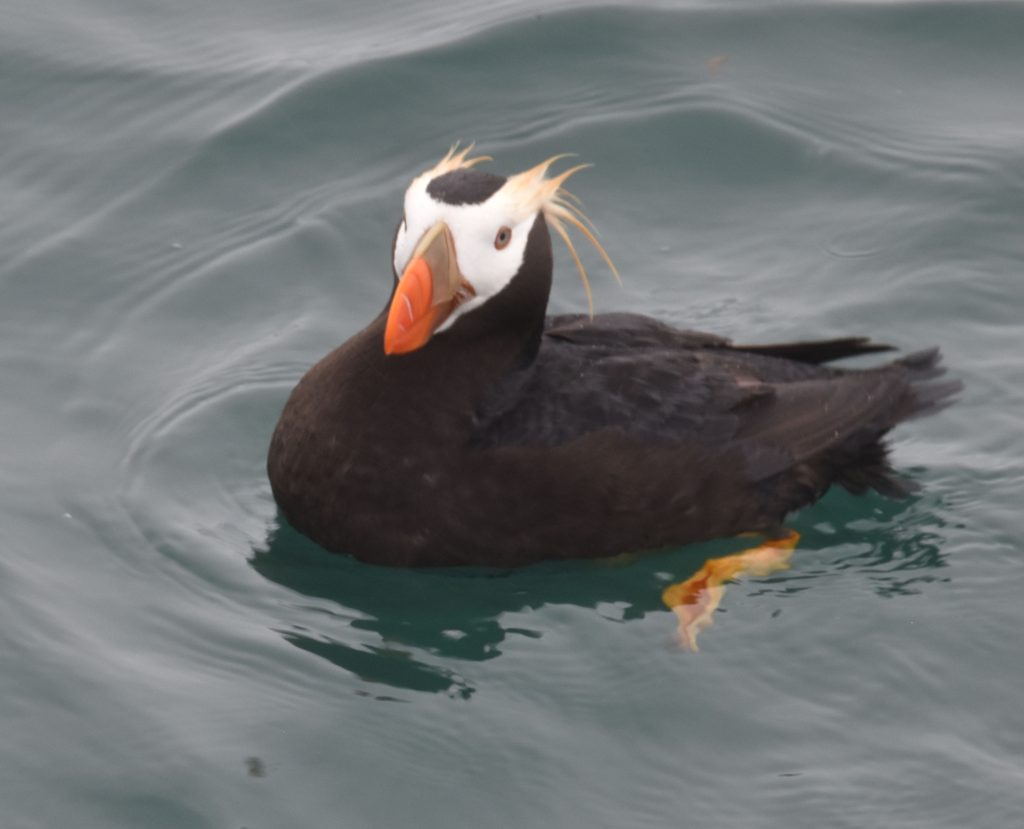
(396, 345)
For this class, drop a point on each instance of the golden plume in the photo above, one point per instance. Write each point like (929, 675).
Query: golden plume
(456, 159)
(537, 192)
(533, 191)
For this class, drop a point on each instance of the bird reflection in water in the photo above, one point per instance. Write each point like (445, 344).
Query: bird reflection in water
(402, 630)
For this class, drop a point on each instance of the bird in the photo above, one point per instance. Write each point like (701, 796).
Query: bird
(464, 425)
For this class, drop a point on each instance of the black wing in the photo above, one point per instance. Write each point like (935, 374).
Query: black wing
(635, 330)
(652, 383)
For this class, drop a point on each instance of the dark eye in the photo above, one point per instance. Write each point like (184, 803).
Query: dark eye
(503, 238)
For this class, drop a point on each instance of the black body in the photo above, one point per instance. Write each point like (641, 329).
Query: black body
(512, 438)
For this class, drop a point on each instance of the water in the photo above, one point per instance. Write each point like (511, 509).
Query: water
(196, 203)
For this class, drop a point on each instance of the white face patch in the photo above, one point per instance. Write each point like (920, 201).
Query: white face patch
(473, 228)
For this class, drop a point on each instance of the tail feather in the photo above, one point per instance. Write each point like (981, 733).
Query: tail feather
(924, 396)
(863, 464)
(862, 461)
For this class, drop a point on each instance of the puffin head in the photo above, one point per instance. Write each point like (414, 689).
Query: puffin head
(471, 240)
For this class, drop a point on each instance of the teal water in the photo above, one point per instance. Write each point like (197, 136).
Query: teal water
(196, 203)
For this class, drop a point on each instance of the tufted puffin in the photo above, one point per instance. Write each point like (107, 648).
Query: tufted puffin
(465, 426)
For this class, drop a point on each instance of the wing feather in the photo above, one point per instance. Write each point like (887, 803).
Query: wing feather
(652, 384)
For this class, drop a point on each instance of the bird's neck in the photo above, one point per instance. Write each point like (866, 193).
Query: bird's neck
(440, 384)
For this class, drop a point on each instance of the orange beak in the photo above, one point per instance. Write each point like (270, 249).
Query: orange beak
(430, 288)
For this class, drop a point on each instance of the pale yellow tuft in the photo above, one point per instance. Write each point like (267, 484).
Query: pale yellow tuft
(455, 159)
(537, 192)
(533, 191)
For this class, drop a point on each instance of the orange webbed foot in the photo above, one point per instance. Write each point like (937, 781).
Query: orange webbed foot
(695, 600)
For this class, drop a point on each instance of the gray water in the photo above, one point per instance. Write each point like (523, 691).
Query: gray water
(196, 203)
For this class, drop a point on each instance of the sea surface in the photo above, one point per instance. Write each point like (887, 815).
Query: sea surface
(197, 201)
